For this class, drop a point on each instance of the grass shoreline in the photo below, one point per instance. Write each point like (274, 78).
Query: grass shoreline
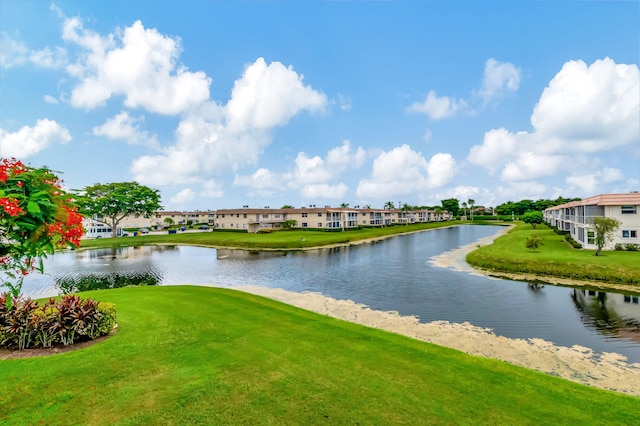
(203, 355)
(555, 262)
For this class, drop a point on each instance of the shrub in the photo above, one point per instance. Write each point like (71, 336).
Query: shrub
(631, 247)
(618, 247)
(534, 242)
(574, 243)
(265, 230)
(26, 324)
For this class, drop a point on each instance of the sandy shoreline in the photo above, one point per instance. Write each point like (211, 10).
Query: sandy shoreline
(580, 364)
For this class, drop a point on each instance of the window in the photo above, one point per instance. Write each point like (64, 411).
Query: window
(319, 214)
(628, 209)
(244, 215)
(629, 233)
(277, 216)
(304, 215)
(591, 237)
(304, 224)
(319, 224)
(265, 216)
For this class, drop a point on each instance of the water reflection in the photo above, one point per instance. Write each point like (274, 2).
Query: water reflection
(394, 275)
(610, 313)
(74, 283)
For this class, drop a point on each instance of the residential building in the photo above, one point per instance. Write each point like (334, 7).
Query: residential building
(330, 218)
(576, 217)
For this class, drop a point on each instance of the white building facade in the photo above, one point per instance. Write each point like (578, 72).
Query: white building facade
(576, 218)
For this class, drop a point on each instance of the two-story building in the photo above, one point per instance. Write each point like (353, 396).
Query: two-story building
(576, 217)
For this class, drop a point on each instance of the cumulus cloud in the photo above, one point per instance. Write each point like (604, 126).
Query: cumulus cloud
(499, 79)
(438, 107)
(314, 177)
(403, 171)
(584, 110)
(262, 179)
(213, 138)
(268, 95)
(51, 100)
(137, 63)
(29, 141)
(590, 183)
(183, 197)
(15, 53)
(211, 189)
(323, 190)
(126, 128)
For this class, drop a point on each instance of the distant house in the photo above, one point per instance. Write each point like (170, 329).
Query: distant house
(576, 217)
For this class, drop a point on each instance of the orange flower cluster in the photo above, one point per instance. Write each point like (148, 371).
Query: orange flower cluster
(68, 228)
(11, 206)
(10, 167)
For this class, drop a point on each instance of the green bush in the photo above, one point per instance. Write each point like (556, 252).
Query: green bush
(631, 247)
(574, 243)
(66, 321)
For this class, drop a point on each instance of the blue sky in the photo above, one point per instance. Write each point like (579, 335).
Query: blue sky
(225, 104)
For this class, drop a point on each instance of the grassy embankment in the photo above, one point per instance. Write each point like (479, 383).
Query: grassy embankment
(555, 258)
(199, 355)
(282, 240)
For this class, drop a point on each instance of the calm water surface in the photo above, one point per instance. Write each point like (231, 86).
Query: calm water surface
(394, 274)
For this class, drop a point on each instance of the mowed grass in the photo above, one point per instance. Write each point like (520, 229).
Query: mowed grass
(281, 240)
(198, 355)
(556, 258)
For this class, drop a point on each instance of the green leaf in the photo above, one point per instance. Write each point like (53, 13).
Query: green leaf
(33, 207)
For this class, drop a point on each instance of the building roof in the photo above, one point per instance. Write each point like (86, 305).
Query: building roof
(628, 199)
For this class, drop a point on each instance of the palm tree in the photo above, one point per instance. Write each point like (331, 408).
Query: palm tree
(344, 205)
(464, 208)
(389, 205)
(472, 202)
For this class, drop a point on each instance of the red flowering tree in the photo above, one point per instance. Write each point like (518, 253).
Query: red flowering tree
(36, 218)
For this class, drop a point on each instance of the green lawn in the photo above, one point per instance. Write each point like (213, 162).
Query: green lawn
(282, 240)
(198, 355)
(556, 258)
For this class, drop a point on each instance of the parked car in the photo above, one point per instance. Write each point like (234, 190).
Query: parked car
(203, 227)
(143, 230)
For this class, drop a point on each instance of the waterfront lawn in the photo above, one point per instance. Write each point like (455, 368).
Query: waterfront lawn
(555, 258)
(199, 355)
(281, 240)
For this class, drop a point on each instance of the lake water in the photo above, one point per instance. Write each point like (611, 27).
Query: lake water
(394, 274)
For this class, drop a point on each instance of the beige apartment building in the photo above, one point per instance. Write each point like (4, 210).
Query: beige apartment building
(329, 218)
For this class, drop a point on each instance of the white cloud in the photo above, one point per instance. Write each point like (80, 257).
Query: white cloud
(183, 197)
(126, 128)
(324, 190)
(15, 53)
(269, 95)
(589, 108)
(30, 140)
(584, 110)
(138, 63)
(211, 189)
(590, 183)
(345, 102)
(212, 138)
(438, 107)
(50, 100)
(262, 179)
(403, 171)
(499, 78)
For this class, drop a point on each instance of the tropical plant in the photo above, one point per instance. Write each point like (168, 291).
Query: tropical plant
(36, 217)
(344, 205)
(452, 205)
(471, 202)
(389, 205)
(534, 242)
(604, 228)
(111, 202)
(464, 208)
